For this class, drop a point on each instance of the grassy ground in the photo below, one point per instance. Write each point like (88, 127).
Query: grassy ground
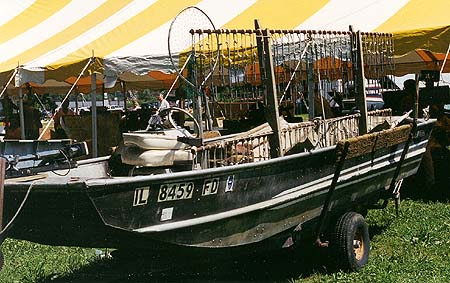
(413, 247)
(30, 262)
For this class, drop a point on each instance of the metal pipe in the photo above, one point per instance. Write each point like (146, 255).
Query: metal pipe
(21, 114)
(94, 114)
(326, 205)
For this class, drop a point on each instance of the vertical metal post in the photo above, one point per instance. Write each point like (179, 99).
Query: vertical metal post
(208, 118)
(94, 114)
(124, 92)
(271, 109)
(416, 100)
(77, 94)
(311, 87)
(392, 188)
(192, 75)
(327, 203)
(21, 114)
(198, 113)
(260, 49)
(360, 96)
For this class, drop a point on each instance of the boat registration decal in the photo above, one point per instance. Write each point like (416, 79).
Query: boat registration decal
(175, 191)
(210, 187)
(230, 183)
(141, 196)
(166, 214)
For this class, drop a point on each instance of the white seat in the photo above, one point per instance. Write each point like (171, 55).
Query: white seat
(164, 139)
(155, 149)
(154, 158)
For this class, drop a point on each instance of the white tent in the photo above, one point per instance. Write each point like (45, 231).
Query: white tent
(55, 39)
(45, 41)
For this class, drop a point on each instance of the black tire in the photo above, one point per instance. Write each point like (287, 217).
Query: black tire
(351, 243)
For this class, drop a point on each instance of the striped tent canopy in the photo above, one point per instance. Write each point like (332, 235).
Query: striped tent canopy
(53, 40)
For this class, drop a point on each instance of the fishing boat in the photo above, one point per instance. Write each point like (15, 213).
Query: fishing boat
(168, 188)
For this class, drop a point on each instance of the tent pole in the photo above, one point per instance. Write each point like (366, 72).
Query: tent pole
(77, 94)
(94, 114)
(360, 97)
(21, 116)
(445, 61)
(74, 85)
(124, 92)
(416, 99)
(9, 81)
(103, 96)
(311, 86)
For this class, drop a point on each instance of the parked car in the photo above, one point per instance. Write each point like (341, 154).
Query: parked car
(150, 105)
(115, 108)
(84, 109)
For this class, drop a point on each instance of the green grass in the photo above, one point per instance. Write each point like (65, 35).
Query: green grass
(29, 262)
(414, 247)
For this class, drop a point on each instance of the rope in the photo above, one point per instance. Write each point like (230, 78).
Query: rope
(9, 81)
(296, 69)
(66, 96)
(7, 226)
(68, 162)
(170, 89)
(445, 60)
(321, 94)
(176, 79)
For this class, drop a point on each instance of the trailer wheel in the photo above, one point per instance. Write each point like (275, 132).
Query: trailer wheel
(351, 241)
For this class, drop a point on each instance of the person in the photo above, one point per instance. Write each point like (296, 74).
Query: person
(408, 96)
(163, 103)
(255, 114)
(438, 145)
(158, 120)
(135, 105)
(64, 110)
(318, 103)
(285, 112)
(10, 111)
(180, 94)
(9, 108)
(32, 120)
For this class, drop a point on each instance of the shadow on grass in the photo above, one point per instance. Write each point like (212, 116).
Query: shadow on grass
(377, 229)
(415, 190)
(278, 266)
(275, 266)
(430, 186)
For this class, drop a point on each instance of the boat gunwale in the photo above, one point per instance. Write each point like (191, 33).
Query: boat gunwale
(91, 183)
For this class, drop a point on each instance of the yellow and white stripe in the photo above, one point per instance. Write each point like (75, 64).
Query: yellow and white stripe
(54, 39)
(363, 15)
(10, 9)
